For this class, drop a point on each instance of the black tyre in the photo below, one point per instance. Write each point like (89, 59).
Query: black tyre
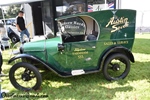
(14, 38)
(25, 76)
(116, 66)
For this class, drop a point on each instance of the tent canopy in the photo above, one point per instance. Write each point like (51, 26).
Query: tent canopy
(11, 2)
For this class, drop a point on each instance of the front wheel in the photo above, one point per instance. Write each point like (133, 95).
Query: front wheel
(25, 76)
(116, 66)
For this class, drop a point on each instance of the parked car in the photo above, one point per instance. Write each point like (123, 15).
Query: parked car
(88, 43)
(12, 30)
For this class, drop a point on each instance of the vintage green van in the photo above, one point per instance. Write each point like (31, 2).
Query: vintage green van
(86, 43)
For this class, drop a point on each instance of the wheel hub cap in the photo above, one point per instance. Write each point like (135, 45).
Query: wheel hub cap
(26, 77)
(116, 67)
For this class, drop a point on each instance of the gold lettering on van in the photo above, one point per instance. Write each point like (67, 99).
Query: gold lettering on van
(79, 49)
(115, 43)
(118, 24)
(80, 53)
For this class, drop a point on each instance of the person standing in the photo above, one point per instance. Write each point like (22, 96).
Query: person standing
(20, 24)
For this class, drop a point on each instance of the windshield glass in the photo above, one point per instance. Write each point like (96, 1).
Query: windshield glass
(73, 26)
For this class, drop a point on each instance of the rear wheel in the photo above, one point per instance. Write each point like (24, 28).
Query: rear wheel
(117, 66)
(25, 76)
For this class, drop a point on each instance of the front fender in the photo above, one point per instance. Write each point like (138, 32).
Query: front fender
(24, 56)
(47, 65)
(32, 58)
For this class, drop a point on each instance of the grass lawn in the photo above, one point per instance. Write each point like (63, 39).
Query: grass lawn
(136, 86)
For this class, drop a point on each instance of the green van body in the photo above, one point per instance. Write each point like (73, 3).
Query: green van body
(115, 34)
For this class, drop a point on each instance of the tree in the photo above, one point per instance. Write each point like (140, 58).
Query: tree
(12, 11)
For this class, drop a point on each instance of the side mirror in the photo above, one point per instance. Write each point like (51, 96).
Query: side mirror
(61, 47)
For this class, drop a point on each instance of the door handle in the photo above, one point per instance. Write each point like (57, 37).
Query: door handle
(93, 47)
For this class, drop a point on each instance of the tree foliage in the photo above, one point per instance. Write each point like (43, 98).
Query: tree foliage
(12, 10)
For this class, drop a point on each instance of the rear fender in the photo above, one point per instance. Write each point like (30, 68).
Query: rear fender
(113, 50)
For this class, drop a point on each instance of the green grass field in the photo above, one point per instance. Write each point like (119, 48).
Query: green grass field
(136, 86)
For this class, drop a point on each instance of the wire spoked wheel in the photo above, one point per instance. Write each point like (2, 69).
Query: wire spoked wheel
(116, 67)
(25, 76)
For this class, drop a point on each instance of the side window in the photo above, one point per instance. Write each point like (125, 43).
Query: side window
(92, 29)
(73, 29)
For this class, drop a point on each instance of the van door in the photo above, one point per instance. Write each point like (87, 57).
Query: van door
(79, 55)
(37, 18)
(48, 24)
(79, 51)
